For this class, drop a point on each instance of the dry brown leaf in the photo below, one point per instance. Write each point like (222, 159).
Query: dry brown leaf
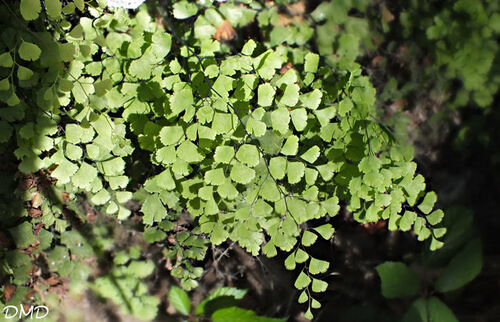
(8, 291)
(284, 20)
(373, 227)
(286, 68)
(224, 32)
(398, 105)
(297, 9)
(376, 60)
(386, 14)
(34, 213)
(27, 181)
(65, 197)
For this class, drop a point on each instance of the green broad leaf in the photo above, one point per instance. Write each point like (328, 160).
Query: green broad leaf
(290, 96)
(29, 51)
(236, 314)
(73, 152)
(171, 134)
(308, 315)
(101, 197)
(257, 128)
(240, 173)
(308, 238)
(140, 269)
(215, 177)
(80, 4)
(76, 33)
(6, 60)
(269, 250)
(265, 94)
(317, 266)
(24, 73)
(299, 118)
(84, 176)
(315, 304)
(269, 190)
(435, 217)
(76, 243)
(141, 68)
(397, 280)
(277, 167)
(228, 191)
(82, 89)
(161, 182)
(303, 297)
(319, 286)
(54, 8)
(224, 154)
(111, 167)
(4, 84)
(345, 106)
(162, 42)
(429, 310)
(188, 152)
(302, 281)
(312, 99)
(248, 154)
(64, 171)
(70, 8)
(30, 9)
(290, 77)
(153, 210)
(222, 123)
(184, 9)
(407, 220)
(332, 206)
(249, 47)
(369, 163)
(301, 256)
(291, 146)
(290, 262)
(462, 269)
(413, 188)
(435, 243)
(179, 300)
(103, 87)
(295, 172)
(311, 62)
(181, 100)
(27, 131)
(5, 131)
(297, 209)
(428, 203)
(311, 155)
(23, 235)
(65, 85)
(13, 100)
(280, 118)
(67, 51)
(218, 235)
(220, 298)
(152, 235)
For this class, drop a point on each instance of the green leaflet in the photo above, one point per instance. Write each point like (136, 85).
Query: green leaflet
(30, 9)
(397, 280)
(248, 154)
(252, 146)
(29, 51)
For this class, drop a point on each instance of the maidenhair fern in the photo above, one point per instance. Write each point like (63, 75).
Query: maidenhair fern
(254, 152)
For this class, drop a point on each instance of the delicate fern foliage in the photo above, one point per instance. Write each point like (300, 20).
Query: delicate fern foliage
(259, 144)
